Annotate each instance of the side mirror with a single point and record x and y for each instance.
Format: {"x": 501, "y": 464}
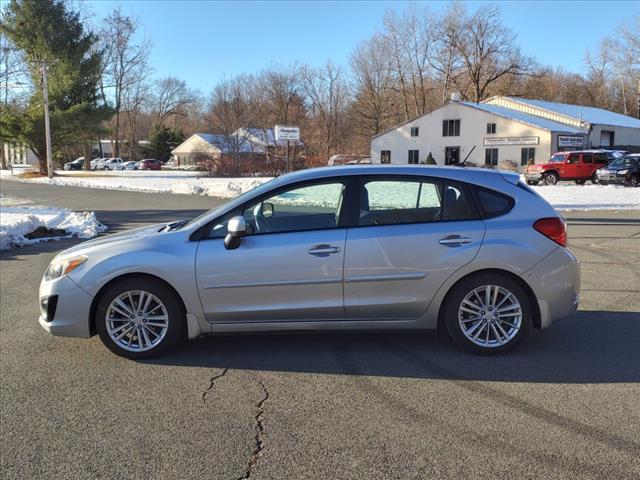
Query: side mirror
{"x": 267, "y": 210}
{"x": 236, "y": 229}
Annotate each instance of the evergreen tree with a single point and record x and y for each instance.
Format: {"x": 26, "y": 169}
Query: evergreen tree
{"x": 46, "y": 31}
{"x": 162, "y": 141}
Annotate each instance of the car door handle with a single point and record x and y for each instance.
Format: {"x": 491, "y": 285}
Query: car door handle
{"x": 454, "y": 240}
{"x": 323, "y": 250}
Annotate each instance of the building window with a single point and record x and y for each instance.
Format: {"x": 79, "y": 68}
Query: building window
{"x": 491, "y": 157}
{"x": 451, "y": 128}
{"x": 413, "y": 157}
{"x": 415, "y": 131}
{"x": 491, "y": 128}
{"x": 385, "y": 156}
{"x": 527, "y": 155}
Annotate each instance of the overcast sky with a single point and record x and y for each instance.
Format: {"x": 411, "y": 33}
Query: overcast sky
{"x": 204, "y": 41}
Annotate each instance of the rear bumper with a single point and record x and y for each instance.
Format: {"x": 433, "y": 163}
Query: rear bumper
{"x": 555, "y": 282}
{"x": 70, "y": 317}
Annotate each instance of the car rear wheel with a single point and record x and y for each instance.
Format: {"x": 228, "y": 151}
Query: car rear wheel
{"x": 139, "y": 318}
{"x": 550, "y": 178}
{"x": 532, "y": 182}
{"x": 488, "y": 313}
{"x": 594, "y": 178}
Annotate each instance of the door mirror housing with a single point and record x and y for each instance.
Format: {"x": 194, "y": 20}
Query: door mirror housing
{"x": 236, "y": 229}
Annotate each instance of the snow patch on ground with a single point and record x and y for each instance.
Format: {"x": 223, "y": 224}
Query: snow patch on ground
{"x": 179, "y": 182}
{"x": 17, "y": 220}
{"x": 569, "y": 196}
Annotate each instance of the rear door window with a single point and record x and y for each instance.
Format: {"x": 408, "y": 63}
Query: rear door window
{"x": 587, "y": 158}
{"x": 457, "y": 203}
{"x": 390, "y": 201}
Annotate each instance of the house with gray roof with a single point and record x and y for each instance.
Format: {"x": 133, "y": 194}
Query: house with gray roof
{"x": 504, "y": 128}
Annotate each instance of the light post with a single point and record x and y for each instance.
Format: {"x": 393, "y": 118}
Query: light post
{"x": 47, "y": 127}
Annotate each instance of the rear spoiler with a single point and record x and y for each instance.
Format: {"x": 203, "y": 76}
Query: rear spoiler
{"x": 511, "y": 177}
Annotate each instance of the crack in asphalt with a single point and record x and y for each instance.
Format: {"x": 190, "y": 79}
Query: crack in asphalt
{"x": 211, "y": 382}
{"x": 259, "y": 442}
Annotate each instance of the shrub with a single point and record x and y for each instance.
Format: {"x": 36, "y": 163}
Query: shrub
{"x": 431, "y": 160}
{"x": 508, "y": 165}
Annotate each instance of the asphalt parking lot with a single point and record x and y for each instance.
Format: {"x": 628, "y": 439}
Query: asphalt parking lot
{"x": 332, "y": 406}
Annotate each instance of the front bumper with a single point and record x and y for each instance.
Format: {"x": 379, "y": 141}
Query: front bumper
{"x": 533, "y": 176}
{"x": 556, "y": 284}
{"x": 611, "y": 179}
{"x": 70, "y": 317}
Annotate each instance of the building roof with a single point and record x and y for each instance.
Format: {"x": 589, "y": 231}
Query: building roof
{"x": 524, "y": 117}
{"x": 581, "y": 112}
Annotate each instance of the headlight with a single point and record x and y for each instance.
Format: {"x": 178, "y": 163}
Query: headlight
{"x": 623, "y": 172}
{"x": 60, "y": 268}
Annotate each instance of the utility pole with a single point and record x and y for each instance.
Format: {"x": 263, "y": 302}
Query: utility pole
{"x": 5, "y": 51}
{"x": 47, "y": 127}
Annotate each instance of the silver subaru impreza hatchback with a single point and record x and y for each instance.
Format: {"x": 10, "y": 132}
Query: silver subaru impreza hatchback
{"x": 472, "y": 251}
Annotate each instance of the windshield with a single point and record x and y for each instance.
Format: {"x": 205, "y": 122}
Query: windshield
{"x": 557, "y": 158}
{"x": 256, "y": 190}
{"x": 623, "y": 162}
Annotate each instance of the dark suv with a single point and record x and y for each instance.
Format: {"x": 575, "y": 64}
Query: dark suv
{"x": 624, "y": 170}
{"x": 577, "y": 166}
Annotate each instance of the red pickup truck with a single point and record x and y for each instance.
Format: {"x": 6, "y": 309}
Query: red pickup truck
{"x": 577, "y": 166}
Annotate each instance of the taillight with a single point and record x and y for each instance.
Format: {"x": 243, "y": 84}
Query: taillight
{"x": 554, "y": 228}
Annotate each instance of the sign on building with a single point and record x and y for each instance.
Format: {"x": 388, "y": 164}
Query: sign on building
{"x": 287, "y": 133}
{"x": 570, "y": 141}
{"x": 490, "y": 142}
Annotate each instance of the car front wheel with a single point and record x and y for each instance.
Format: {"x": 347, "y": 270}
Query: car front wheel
{"x": 139, "y": 317}
{"x": 488, "y": 313}
{"x": 633, "y": 181}
{"x": 550, "y": 179}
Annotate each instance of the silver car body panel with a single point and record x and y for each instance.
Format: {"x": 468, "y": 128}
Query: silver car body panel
{"x": 393, "y": 276}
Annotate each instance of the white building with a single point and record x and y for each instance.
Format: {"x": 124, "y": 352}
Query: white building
{"x": 503, "y": 128}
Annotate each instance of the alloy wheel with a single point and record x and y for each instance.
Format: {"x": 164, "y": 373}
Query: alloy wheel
{"x": 137, "y": 321}
{"x": 490, "y": 316}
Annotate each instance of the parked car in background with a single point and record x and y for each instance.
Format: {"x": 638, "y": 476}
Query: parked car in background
{"x": 150, "y": 164}
{"x": 77, "y": 164}
{"x": 94, "y": 163}
{"x": 472, "y": 251}
{"x": 109, "y": 164}
{"x": 578, "y": 166}
{"x": 130, "y": 165}
{"x": 622, "y": 171}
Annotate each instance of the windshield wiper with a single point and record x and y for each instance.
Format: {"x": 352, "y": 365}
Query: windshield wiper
{"x": 173, "y": 226}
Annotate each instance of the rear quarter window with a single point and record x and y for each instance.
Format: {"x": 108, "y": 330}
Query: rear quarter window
{"x": 491, "y": 203}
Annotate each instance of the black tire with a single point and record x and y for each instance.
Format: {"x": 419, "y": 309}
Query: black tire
{"x": 467, "y": 285}
{"x": 634, "y": 181}
{"x": 550, "y": 178}
{"x": 580, "y": 182}
{"x": 532, "y": 182}
{"x": 594, "y": 179}
{"x": 172, "y": 303}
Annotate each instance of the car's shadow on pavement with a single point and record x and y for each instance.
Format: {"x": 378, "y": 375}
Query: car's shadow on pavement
{"x": 590, "y": 347}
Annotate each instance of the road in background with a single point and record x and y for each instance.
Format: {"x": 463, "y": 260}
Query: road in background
{"x": 335, "y": 406}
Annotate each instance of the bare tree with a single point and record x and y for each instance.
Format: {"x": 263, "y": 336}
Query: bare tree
{"x": 488, "y": 52}
{"x": 172, "y": 97}
{"x": 327, "y": 96}
{"x": 230, "y": 110}
{"x": 126, "y": 65}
